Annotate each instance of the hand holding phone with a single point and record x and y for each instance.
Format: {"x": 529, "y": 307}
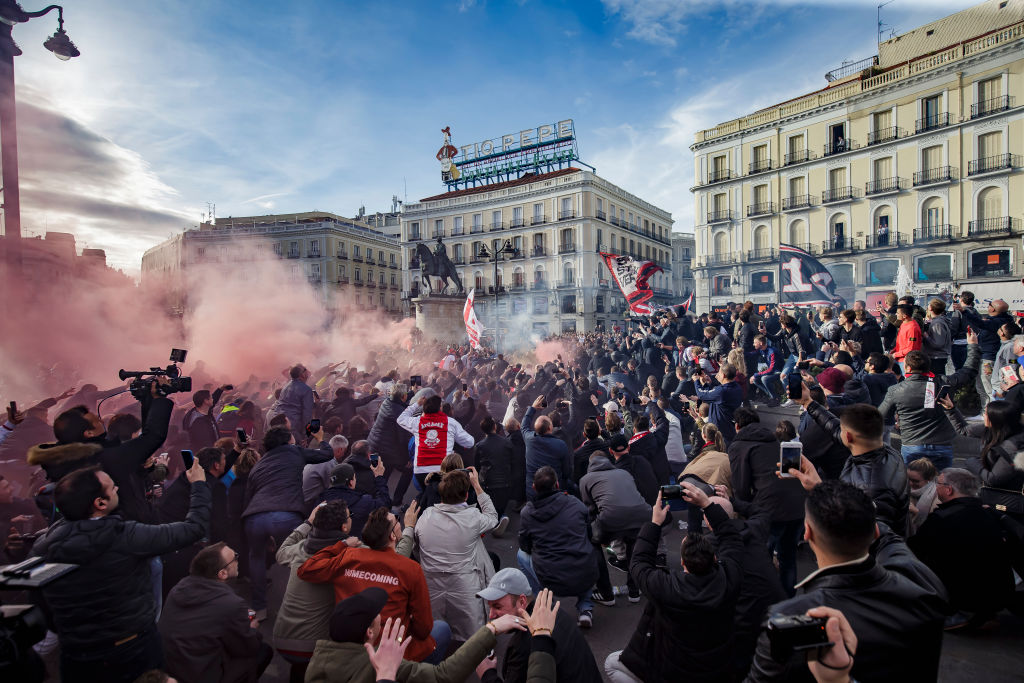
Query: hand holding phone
{"x": 188, "y": 459}
{"x": 789, "y": 457}
{"x": 243, "y": 438}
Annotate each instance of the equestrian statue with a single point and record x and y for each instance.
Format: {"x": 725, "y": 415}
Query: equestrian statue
{"x": 438, "y": 265}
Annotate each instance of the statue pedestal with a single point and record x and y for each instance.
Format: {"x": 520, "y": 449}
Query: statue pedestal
{"x": 440, "y": 317}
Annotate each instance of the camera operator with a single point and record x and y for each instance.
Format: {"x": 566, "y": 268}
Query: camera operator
{"x": 104, "y": 612}
{"x": 81, "y": 442}
{"x": 893, "y": 602}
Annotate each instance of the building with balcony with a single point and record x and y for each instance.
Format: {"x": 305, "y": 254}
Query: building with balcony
{"x": 683, "y": 252}
{"x": 558, "y": 222}
{"x": 340, "y": 258}
{"x": 912, "y": 157}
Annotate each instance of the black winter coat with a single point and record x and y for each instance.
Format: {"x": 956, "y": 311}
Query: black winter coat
{"x": 687, "y": 624}
{"x": 275, "y": 482}
{"x": 642, "y": 473}
{"x": 1003, "y": 466}
{"x": 754, "y": 459}
{"x": 652, "y": 446}
{"x": 870, "y": 337}
{"x": 553, "y": 530}
{"x": 110, "y": 596}
{"x": 206, "y": 635}
{"x": 386, "y": 438}
{"x": 581, "y": 457}
{"x": 895, "y": 604}
{"x": 494, "y": 461}
{"x": 122, "y": 461}
{"x": 360, "y": 504}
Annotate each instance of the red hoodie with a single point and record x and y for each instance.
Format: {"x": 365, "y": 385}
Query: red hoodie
{"x": 351, "y": 570}
{"x": 908, "y": 339}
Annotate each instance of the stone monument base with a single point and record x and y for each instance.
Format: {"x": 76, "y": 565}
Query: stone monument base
{"x": 440, "y": 317}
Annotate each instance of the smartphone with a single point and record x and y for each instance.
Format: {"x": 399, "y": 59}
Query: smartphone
{"x": 465, "y": 387}
{"x": 374, "y": 459}
{"x": 188, "y": 459}
{"x": 803, "y": 365}
{"x": 14, "y": 407}
{"x": 795, "y": 386}
{"x": 943, "y": 393}
{"x": 314, "y": 425}
{"x": 416, "y": 380}
{"x": 789, "y": 457}
{"x": 242, "y": 437}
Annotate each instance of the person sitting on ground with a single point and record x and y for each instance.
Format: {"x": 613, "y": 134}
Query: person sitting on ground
{"x": 894, "y": 603}
{"x": 687, "y": 624}
{"x": 306, "y": 607}
{"x": 509, "y": 594}
{"x": 359, "y": 504}
{"x": 350, "y": 570}
{"x": 205, "y": 627}
{"x": 962, "y": 542}
{"x": 711, "y": 463}
{"x": 452, "y": 553}
{"x": 554, "y": 544}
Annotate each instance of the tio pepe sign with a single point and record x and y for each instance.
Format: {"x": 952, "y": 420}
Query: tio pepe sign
{"x": 514, "y": 142}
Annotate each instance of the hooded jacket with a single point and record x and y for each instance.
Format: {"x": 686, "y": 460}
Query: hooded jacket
{"x": 553, "y": 530}
{"x": 542, "y": 450}
{"x": 938, "y": 337}
{"x": 920, "y": 425}
{"x": 870, "y": 337}
{"x": 206, "y": 635}
{"x": 642, "y": 473}
{"x": 712, "y": 466}
{"x": 612, "y": 498}
{"x": 651, "y": 446}
{"x": 110, "y": 596}
{"x": 687, "y": 624}
{"x": 386, "y": 438}
{"x": 753, "y": 461}
{"x": 1003, "y": 466}
{"x": 122, "y": 461}
{"x": 360, "y": 504}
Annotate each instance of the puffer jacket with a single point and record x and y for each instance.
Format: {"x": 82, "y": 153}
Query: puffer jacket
{"x": 870, "y": 337}
{"x": 920, "y": 425}
{"x": 110, "y": 596}
{"x": 275, "y": 482}
{"x": 1003, "y": 466}
{"x": 938, "y": 337}
{"x": 305, "y": 614}
{"x": 612, "y": 498}
{"x": 386, "y": 438}
{"x": 753, "y": 461}
{"x": 455, "y": 561}
{"x": 895, "y": 605}
{"x": 494, "y": 461}
{"x": 204, "y": 626}
{"x": 553, "y": 530}
{"x": 880, "y": 473}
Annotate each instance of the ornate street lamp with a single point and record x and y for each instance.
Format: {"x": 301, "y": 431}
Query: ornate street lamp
{"x": 61, "y": 46}
{"x": 506, "y": 249}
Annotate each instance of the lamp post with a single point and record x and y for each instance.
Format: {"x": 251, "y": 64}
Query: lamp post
{"x": 496, "y": 257}
{"x": 61, "y": 46}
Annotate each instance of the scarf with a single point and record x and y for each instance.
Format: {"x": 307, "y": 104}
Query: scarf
{"x": 638, "y": 436}
{"x": 319, "y": 539}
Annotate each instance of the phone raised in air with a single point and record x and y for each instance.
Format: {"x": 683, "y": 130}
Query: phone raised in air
{"x": 416, "y": 380}
{"x": 943, "y": 393}
{"x": 188, "y": 459}
{"x": 789, "y": 457}
{"x": 795, "y": 386}
{"x": 242, "y": 436}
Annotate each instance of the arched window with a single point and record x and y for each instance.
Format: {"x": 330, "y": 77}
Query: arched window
{"x": 990, "y": 203}
{"x": 931, "y": 213}
{"x": 798, "y": 232}
{"x": 882, "y": 223}
{"x": 568, "y": 274}
{"x": 837, "y": 231}
{"x": 478, "y": 281}
{"x": 539, "y": 281}
{"x": 518, "y": 277}
{"x": 721, "y": 243}
{"x": 762, "y": 239}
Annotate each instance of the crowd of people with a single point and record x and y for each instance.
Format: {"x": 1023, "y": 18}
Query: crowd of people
{"x": 375, "y": 488}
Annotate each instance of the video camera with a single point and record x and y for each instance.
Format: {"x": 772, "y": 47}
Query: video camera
{"x": 144, "y": 379}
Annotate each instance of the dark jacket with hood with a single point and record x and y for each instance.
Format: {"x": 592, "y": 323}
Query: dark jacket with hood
{"x": 870, "y": 337}
{"x": 581, "y": 457}
{"x": 386, "y": 438}
{"x": 360, "y": 504}
{"x": 895, "y": 604}
{"x": 122, "y": 461}
{"x": 553, "y": 530}
{"x": 612, "y": 498}
{"x": 206, "y": 635}
{"x": 753, "y": 460}
{"x": 275, "y": 482}
{"x": 642, "y": 473}
{"x": 824, "y": 452}
{"x": 687, "y": 625}
{"x": 494, "y": 462}
{"x": 651, "y": 447}
{"x": 110, "y": 596}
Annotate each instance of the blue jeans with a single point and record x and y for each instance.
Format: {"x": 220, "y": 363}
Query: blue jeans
{"x": 583, "y": 602}
{"x": 941, "y": 456}
{"x": 156, "y": 573}
{"x": 442, "y": 635}
{"x": 260, "y": 528}
{"x": 790, "y": 365}
{"x": 767, "y": 383}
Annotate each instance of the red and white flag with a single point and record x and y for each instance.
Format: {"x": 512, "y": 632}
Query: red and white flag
{"x": 631, "y": 277}
{"x": 474, "y": 328}
{"x": 688, "y": 303}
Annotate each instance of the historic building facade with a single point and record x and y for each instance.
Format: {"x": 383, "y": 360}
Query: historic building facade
{"x": 911, "y": 158}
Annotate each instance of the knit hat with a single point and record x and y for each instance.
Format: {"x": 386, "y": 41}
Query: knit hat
{"x": 618, "y": 443}
{"x": 832, "y": 379}
{"x": 342, "y": 474}
{"x": 352, "y": 616}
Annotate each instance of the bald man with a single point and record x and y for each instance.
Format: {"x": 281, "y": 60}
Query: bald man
{"x": 544, "y": 449}
{"x": 987, "y": 328}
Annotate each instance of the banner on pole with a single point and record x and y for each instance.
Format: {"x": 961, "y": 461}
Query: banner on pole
{"x": 474, "y": 328}
{"x": 803, "y": 279}
{"x": 630, "y": 277}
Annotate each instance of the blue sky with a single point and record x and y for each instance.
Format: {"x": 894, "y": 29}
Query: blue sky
{"x": 266, "y": 107}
